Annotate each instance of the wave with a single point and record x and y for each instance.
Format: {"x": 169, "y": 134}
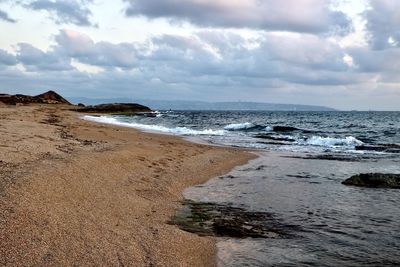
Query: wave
{"x": 155, "y": 128}
{"x": 239, "y": 126}
{"x": 332, "y": 142}
{"x": 246, "y": 126}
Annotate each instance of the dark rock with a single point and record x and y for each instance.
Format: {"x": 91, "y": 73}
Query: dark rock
{"x": 330, "y": 157}
{"x": 221, "y": 220}
{"x": 284, "y": 129}
{"x": 49, "y": 97}
{"x": 379, "y": 180}
{"x": 81, "y": 105}
{"x": 274, "y": 143}
{"x": 389, "y": 148}
{"x": 115, "y": 108}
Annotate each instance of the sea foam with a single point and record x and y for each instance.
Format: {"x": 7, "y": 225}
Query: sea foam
{"x": 239, "y": 126}
{"x": 332, "y": 142}
{"x": 153, "y": 128}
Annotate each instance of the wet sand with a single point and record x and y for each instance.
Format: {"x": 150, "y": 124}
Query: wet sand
{"x": 74, "y": 192}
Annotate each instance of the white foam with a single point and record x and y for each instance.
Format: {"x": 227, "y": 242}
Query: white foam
{"x": 239, "y": 126}
{"x": 332, "y": 142}
{"x": 153, "y": 128}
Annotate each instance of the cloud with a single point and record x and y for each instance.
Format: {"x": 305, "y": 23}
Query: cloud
{"x": 104, "y": 54}
{"x": 4, "y": 16}
{"x": 312, "y": 16}
{"x": 207, "y": 65}
{"x": 208, "y": 57}
{"x": 383, "y": 20}
{"x": 65, "y": 11}
{"x": 7, "y": 59}
{"x": 213, "y": 54}
{"x": 378, "y": 61}
{"x": 35, "y": 59}
{"x": 306, "y": 51}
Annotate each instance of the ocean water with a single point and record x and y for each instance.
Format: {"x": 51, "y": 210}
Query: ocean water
{"x": 303, "y": 158}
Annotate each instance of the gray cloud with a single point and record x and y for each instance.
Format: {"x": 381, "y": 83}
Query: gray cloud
{"x": 4, "y": 16}
{"x": 7, "y": 59}
{"x": 219, "y": 56}
{"x": 383, "y": 20}
{"x": 36, "y": 60}
{"x": 65, "y": 11}
{"x": 376, "y": 60}
{"x": 313, "y": 16}
{"x": 103, "y": 54}
{"x": 207, "y": 65}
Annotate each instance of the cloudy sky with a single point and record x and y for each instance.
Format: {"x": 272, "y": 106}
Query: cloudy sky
{"x": 339, "y": 53}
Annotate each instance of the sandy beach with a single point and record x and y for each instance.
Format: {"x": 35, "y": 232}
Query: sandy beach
{"x": 77, "y": 193}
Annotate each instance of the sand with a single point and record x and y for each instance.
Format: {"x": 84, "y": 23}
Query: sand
{"x": 77, "y": 193}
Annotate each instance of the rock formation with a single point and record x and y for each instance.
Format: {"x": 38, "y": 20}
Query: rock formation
{"x": 49, "y": 97}
{"x": 380, "y": 180}
{"x": 115, "y": 108}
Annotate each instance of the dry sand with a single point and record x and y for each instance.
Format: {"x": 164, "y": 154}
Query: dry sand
{"x": 74, "y": 192}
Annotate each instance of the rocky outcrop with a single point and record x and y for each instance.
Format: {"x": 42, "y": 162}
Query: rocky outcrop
{"x": 388, "y": 148}
{"x": 49, "y": 97}
{"x": 115, "y": 108}
{"x": 284, "y": 129}
{"x": 379, "y": 180}
{"x": 211, "y": 219}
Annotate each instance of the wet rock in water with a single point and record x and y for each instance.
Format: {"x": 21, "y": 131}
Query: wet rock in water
{"x": 389, "y": 148}
{"x": 330, "y": 157}
{"x": 378, "y": 180}
{"x": 220, "y": 220}
{"x": 284, "y": 129}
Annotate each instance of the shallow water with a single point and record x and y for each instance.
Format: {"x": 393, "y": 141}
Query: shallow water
{"x": 339, "y": 225}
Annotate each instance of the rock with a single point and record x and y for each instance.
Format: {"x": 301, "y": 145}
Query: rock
{"x": 221, "y": 220}
{"x": 389, "y": 148}
{"x": 378, "y": 180}
{"x": 349, "y": 158}
{"x": 49, "y": 97}
{"x": 116, "y": 108}
{"x": 284, "y": 129}
{"x": 81, "y": 105}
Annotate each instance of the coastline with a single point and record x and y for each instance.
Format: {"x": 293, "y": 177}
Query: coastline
{"x": 75, "y": 192}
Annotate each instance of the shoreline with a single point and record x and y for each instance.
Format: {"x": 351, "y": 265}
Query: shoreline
{"x": 80, "y": 192}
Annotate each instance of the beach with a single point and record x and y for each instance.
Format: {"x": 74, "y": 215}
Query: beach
{"x": 74, "y": 192}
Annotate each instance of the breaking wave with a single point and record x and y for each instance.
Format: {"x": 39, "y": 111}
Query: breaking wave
{"x": 239, "y": 126}
{"x": 155, "y": 128}
{"x": 332, "y": 142}
{"x": 246, "y": 126}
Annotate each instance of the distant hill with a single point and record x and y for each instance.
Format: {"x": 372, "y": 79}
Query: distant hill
{"x": 202, "y": 105}
{"x": 49, "y": 97}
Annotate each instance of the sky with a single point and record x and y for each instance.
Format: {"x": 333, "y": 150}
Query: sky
{"x": 343, "y": 54}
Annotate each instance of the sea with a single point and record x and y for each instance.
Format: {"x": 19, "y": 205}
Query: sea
{"x": 303, "y": 158}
